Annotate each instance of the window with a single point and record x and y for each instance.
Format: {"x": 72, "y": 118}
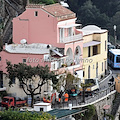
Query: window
{"x": 93, "y": 66}
{"x": 95, "y": 50}
{"x": 102, "y": 66}
{"x": 24, "y": 60}
{"x": 89, "y": 72}
{"x": 83, "y": 73}
{"x": 69, "y": 31}
{"x": 41, "y": 109}
{"x": 112, "y": 57}
{"x": 54, "y": 66}
{"x": 13, "y": 80}
{"x": 105, "y": 45}
{"x": 89, "y": 51}
{"x": 61, "y": 34}
{"x": 118, "y": 59}
{"x": 36, "y": 13}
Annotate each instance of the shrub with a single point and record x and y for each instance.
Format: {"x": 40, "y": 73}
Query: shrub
{"x": 17, "y": 115}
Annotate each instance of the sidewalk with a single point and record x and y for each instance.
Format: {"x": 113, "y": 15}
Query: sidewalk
{"x": 108, "y": 76}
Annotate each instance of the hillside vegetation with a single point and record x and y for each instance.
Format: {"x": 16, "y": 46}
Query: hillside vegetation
{"x": 103, "y": 13}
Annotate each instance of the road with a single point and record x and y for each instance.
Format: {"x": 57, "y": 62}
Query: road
{"x": 103, "y": 86}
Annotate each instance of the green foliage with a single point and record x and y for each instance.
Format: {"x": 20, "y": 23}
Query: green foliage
{"x": 103, "y": 13}
{"x": 110, "y": 116}
{"x": 47, "y": 2}
{"x": 66, "y": 81}
{"x": 3, "y": 93}
{"x": 90, "y": 112}
{"x": 89, "y": 14}
{"x": 28, "y": 76}
{"x": 17, "y": 115}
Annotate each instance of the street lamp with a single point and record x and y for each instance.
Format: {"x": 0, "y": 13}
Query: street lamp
{"x": 115, "y": 37}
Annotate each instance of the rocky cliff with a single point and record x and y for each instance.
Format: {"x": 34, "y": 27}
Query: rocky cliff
{"x": 8, "y": 10}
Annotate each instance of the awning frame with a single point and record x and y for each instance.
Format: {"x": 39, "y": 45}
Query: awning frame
{"x": 91, "y": 43}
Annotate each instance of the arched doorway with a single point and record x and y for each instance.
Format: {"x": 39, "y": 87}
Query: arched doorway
{"x": 69, "y": 59}
{"x": 77, "y": 55}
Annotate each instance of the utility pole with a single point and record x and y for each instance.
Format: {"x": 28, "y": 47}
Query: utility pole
{"x": 115, "y": 37}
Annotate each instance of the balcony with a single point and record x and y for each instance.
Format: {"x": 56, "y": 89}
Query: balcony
{"x": 71, "y": 38}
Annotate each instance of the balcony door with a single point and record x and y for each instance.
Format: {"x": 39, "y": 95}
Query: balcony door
{"x": 61, "y": 34}
{"x": 69, "y": 31}
{"x": 95, "y": 50}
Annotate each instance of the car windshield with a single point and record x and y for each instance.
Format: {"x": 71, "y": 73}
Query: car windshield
{"x": 5, "y": 100}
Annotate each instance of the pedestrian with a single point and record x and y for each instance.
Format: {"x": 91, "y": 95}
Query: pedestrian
{"x": 60, "y": 95}
{"x": 112, "y": 79}
{"x": 66, "y": 96}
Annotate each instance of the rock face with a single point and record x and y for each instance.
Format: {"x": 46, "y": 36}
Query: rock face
{"x": 8, "y": 10}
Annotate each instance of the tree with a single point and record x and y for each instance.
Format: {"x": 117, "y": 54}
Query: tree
{"x": 89, "y": 14}
{"x": 66, "y": 81}
{"x": 31, "y": 78}
{"x": 17, "y": 115}
{"x": 84, "y": 87}
{"x": 47, "y": 2}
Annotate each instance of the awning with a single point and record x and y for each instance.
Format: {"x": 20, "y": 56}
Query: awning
{"x": 106, "y": 107}
{"x": 57, "y": 52}
{"x": 63, "y": 113}
{"x": 68, "y": 26}
{"x": 91, "y": 43}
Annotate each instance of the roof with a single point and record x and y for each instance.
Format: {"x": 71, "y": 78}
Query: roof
{"x": 34, "y": 48}
{"x": 42, "y": 104}
{"x": 115, "y": 51}
{"x": 92, "y": 29}
{"x": 56, "y": 10}
{"x": 91, "y": 43}
{"x": 61, "y": 113}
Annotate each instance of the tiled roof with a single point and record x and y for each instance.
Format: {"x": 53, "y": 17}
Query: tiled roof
{"x": 56, "y": 10}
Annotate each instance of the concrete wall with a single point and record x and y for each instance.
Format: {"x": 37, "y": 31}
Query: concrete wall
{"x": 17, "y": 91}
{"x": 99, "y": 106}
{"x": 35, "y": 29}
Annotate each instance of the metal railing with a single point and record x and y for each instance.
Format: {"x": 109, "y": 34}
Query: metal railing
{"x": 77, "y": 101}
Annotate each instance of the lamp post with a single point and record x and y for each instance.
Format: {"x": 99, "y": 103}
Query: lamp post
{"x": 115, "y": 37}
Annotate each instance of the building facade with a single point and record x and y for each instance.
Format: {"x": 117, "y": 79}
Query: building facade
{"x": 44, "y": 35}
{"x": 94, "y": 52}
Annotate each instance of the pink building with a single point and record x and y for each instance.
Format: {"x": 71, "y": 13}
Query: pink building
{"x": 45, "y": 35}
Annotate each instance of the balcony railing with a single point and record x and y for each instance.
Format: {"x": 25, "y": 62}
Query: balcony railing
{"x": 71, "y": 38}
